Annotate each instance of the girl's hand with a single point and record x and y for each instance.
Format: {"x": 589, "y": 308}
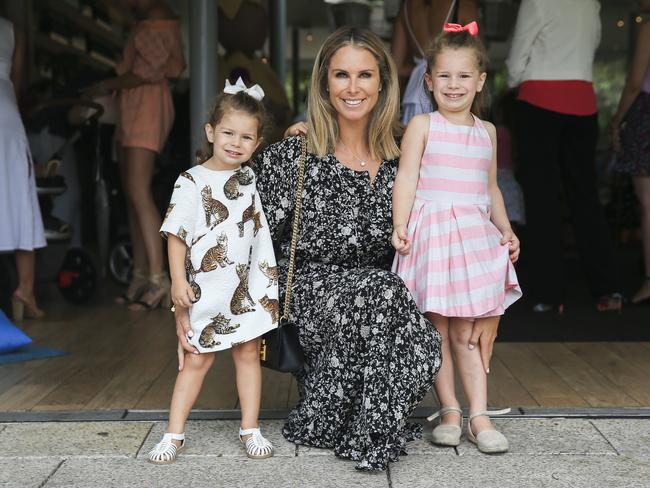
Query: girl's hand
{"x": 296, "y": 129}
{"x": 182, "y": 294}
{"x": 400, "y": 240}
{"x": 183, "y": 331}
{"x": 484, "y": 333}
{"x": 510, "y": 237}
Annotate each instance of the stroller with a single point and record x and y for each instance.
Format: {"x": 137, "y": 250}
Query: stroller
{"x": 77, "y": 276}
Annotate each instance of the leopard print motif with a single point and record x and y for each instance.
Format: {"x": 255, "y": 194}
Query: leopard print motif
{"x": 185, "y": 174}
{"x": 238, "y": 303}
{"x": 169, "y": 210}
{"x": 271, "y": 272}
{"x": 272, "y": 306}
{"x": 221, "y": 325}
{"x": 190, "y": 274}
{"x": 216, "y": 256}
{"x": 248, "y": 214}
{"x": 257, "y": 222}
{"x": 231, "y": 188}
{"x": 213, "y": 208}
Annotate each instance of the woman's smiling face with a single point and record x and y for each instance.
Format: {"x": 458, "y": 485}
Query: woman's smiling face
{"x": 353, "y": 82}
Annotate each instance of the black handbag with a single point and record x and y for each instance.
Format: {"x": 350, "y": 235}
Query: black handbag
{"x": 280, "y": 349}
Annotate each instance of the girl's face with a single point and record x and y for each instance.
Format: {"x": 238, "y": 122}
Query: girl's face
{"x": 455, "y": 79}
{"x": 353, "y": 83}
{"x": 234, "y": 139}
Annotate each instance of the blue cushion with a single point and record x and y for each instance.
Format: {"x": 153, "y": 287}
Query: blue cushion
{"x": 11, "y": 337}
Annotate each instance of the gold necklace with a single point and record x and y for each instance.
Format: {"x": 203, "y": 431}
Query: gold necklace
{"x": 362, "y": 162}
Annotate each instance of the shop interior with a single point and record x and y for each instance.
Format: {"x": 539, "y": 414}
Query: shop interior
{"x": 117, "y": 361}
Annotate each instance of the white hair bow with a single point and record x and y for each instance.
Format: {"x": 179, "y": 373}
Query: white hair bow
{"x": 254, "y": 91}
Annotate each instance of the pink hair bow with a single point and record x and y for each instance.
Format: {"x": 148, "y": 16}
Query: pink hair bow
{"x": 472, "y": 28}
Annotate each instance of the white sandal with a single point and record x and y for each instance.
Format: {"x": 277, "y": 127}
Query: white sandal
{"x": 257, "y": 447}
{"x": 446, "y": 434}
{"x": 165, "y": 451}
{"x": 488, "y": 441}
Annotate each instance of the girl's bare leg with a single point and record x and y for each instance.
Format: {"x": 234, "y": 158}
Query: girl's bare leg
{"x": 249, "y": 381}
{"x": 470, "y": 369}
{"x": 187, "y": 389}
{"x": 444, "y": 383}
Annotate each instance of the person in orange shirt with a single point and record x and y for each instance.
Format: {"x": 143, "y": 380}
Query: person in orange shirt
{"x": 152, "y": 55}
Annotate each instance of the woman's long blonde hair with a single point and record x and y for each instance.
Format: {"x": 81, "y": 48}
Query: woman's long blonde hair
{"x": 383, "y": 125}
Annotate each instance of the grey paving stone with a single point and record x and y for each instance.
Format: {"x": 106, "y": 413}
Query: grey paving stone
{"x": 19, "y": 473}
{"x": 220, "y": 438}
{"x": 73, "y": 439}
{"x": 314, "y": 451}
{"x": 553, "y": 471}
{"x": 424, "y": 446}
{"x": 628, "y": 436}
{"x": 546, "y": 436}
{"x": 421, "y": 446}
{"x": 200, "y": 472}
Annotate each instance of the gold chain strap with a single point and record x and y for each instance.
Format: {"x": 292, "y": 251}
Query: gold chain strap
{"x": 295, "y": 226}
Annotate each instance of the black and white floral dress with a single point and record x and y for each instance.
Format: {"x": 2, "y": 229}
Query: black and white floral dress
{"x": 370, "y": 354}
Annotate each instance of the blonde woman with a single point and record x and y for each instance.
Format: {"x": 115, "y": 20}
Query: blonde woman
{"x": 370, "y": 354}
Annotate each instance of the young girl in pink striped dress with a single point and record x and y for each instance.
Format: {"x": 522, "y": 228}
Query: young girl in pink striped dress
{"x": 455, "y": 247}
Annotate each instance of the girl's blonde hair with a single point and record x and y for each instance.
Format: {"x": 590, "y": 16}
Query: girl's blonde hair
{"x": 224, "y": 103}
{"x": 383, "y": 125}
{"x": 459, "y": 40}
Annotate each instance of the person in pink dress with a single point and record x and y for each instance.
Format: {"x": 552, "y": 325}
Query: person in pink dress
{"x": 153, "y": 54}
{"x": 455, "y": 247}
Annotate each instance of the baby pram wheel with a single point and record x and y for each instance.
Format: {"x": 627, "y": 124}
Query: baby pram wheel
{"x": 77, "y": 278}
{"x": 120, "y": 261}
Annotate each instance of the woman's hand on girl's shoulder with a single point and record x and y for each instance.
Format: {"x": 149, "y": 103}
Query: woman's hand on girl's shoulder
{"x": 296, "y": 129}
{"x": 510, "y": 238}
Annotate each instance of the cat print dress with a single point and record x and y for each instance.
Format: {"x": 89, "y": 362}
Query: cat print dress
{"x": 230, "y": 263}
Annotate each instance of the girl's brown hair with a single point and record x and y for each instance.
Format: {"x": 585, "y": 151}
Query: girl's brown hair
{"x": 224, "y": 103}
{"x": 459, "y": 40}
{"x": 383, "y": 125}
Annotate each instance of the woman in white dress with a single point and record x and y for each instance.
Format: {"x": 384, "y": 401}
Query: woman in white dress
{"x": 21, "y": 226}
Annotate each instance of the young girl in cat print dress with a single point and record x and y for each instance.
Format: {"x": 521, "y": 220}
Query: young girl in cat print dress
{"x": 455, "y": 247}
{"x": 222, "y": 265}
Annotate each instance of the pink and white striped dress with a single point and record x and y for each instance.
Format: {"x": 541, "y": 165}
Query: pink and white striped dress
{"x": 457, "y": 266}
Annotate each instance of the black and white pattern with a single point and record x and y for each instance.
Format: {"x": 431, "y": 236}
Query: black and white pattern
{"x": 370, "y": 355}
